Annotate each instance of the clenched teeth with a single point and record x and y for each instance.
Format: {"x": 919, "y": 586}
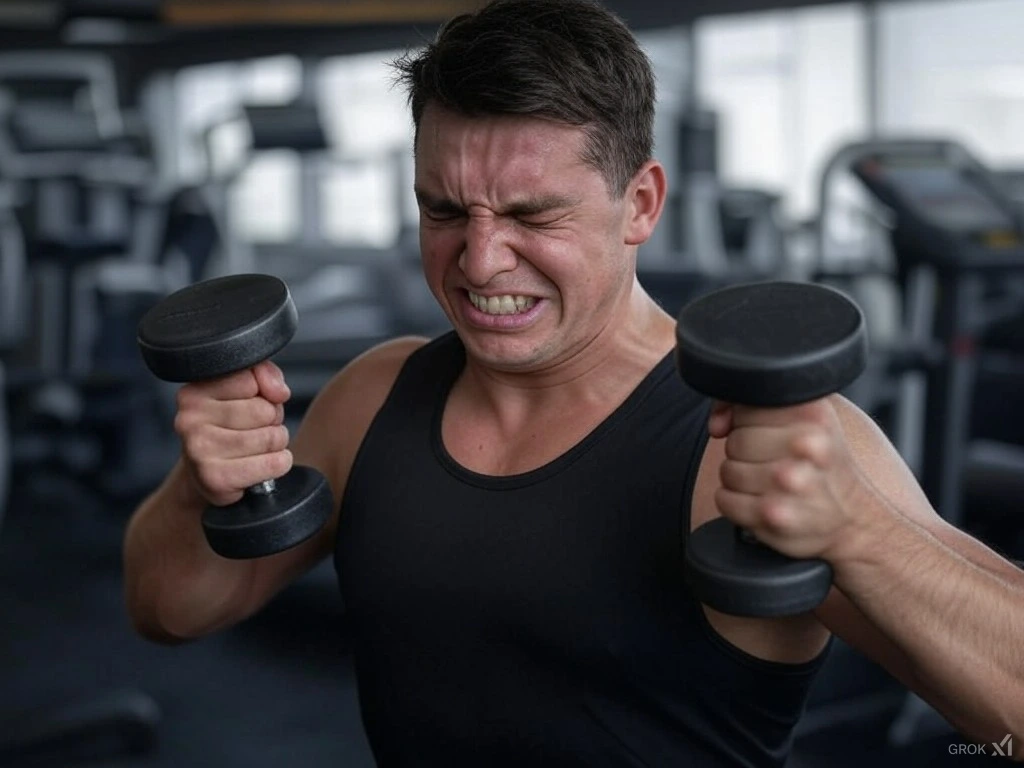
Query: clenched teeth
{"x": 502, "y": 305}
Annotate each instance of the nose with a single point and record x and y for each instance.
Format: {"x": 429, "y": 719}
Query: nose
{"x": 487, "y": 251}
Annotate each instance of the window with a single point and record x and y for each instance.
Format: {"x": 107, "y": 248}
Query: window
{"x": 364, "y": 200}
{"x": 262, "y": 193}
{"x": 956, "y": 69}
{"x": 789, "y": 87}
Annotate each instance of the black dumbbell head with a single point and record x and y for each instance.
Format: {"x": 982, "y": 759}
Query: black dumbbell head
{"x": 217, "y": 327}
{"x": 771, "y": 344}
{"x": 737, "y": 577}
{"x": 261, "y": 524}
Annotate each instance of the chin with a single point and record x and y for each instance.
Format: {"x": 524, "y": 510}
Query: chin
{"x": 505, "y": 354}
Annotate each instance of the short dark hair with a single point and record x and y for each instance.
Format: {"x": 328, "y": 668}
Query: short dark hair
{"x": 569, "y": 61}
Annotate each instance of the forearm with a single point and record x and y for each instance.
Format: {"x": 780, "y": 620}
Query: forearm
{"x": 176, "y": 587}
{"x": 958, "y": 621}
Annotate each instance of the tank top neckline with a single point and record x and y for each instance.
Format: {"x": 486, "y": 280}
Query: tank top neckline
{"x": 664, "y": 368}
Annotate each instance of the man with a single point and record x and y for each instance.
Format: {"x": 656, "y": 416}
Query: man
{"x": 512, "y": 494}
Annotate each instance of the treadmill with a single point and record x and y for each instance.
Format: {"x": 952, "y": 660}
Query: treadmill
{"x": 959, "y": 246}
{"x": 958, "y": 243}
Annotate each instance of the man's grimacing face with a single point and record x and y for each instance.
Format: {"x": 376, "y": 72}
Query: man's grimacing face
{"x": 522, "y": 242}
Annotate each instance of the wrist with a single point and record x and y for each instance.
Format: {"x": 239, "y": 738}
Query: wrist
{"x": 872, "y": 526}
{"x": 182, "y": 488}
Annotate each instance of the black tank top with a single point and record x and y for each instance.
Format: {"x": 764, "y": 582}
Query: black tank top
{"x": 541, "y": 619}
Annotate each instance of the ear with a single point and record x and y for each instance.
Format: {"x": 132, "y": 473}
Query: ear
{"x": 645, "y": 200}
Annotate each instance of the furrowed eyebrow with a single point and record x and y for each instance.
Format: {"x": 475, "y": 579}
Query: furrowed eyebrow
{"x": 538, "y": 205}
{"x": 526, "y": 207}
{"x": 436, "y": 204}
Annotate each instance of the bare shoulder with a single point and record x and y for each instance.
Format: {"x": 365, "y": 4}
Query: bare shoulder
{"x": 369, "y": 373}
{"x": 339, "y": 416}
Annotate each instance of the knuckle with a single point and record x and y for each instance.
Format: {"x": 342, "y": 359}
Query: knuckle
{"x": 185, "y": 396}
{"x": 822, "y": 448}
{"x": 192, "y": 445}
{"x": 790, "y": 476}
{"x": 264, "y": 411}
{"x": 182, "y": 423}
{"x": 774, "y": 515}
{"x": 186, "y": 418}
{"x": 812, "y": 443}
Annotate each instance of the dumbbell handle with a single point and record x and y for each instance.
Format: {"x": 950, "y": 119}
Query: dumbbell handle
{"x": 265, "y": 488}
{"x": 746, "y": 537}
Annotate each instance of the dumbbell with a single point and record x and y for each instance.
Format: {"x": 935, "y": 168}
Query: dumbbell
{"x": 214, "y": 328}
{"x": 770, "y": 344}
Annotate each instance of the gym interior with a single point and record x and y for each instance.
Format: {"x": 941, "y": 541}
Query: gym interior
{"x": 874, "y": 146}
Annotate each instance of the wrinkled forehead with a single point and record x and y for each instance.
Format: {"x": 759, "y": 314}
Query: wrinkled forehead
{"x": 528, "y": 144}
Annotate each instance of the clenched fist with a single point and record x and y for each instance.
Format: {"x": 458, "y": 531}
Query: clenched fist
{"x": 788, "y": 477}
{"x": 232, "y": 431}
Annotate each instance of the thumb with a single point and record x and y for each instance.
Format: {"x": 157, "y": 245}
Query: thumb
{"x": 720, "y": 420}
{"x": 271, "y": 382}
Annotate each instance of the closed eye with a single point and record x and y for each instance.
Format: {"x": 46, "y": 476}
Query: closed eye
{"x": 540, "y": 221}
{"x": 442, "y": 214}
{"x": 538, "y": 212}
{"x": 542, "y": 211}
{"x": 438, "y": 209}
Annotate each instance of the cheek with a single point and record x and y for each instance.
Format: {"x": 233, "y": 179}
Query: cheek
{"x": 579, "y": 265}
{"x": 437, "y": 250}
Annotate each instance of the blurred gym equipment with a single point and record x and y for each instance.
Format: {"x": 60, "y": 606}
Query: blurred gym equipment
{"x": 723, "y": 231}
{"x": 959, "y": 248}
{"x": 958, "y": 257}
{"x": 715, "y": 235}
{"x": 46, "y": 151}
{"x": 350, "y": 297}
{"x": 13, "y": 322}
{"x": 104, "y": 235}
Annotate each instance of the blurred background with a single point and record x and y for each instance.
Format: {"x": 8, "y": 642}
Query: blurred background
{"x": 876, "y": 146}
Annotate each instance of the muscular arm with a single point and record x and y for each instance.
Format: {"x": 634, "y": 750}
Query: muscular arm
{"x": 938, "y": 609}
{"x": 176, "y": 587}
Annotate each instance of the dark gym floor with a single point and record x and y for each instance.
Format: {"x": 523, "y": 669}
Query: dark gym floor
{"x": 276, "y": 691}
